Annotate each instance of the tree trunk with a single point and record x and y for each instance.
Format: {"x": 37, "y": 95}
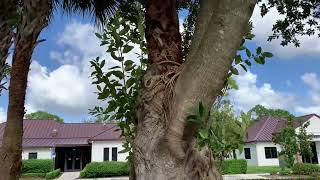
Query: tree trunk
{"x": 6, "y": 34}
{"x": 164, "y": 147}
{"x": 33, "y": 20}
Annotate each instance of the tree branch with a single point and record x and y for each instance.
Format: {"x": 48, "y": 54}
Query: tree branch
{"x": 205, "y": 14}
{"x": 206, "y": 70}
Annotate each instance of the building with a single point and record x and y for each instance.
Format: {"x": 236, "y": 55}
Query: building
{"x": 70, "y": 145}
{"x": 259, "y": 150}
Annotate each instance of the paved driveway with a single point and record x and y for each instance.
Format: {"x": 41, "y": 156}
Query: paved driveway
{"x": 75, "y": 175}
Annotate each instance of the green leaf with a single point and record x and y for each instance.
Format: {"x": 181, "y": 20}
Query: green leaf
{"x": 243, "y": 67}
{"x": 118, "y": 74}
{"x": 234, "y": 70}
{"x": 238, "y": 59}
{"x": 241, "y": 48}
{"x": 259, "y": 50}
{"x": 98, "y": 35}
{"x": 115, "y": 67}
{"x": 267, "y": 54}
{"x": 201, "y": 109}
{"x": 131, "y": 82}
{"x": 128, "y": 62}
{"x": 250, "y": 36}
{"x": 259, "y": 60}
{"x": 248, "y": 62}
{"x": 124, "y": 30}
{"x": 248, "y": 52}
{"x": 99, "y": 87}
{"x": 102, "y": 63}
{"x": 127, "y": 48}
{"x": 203, "y": 133}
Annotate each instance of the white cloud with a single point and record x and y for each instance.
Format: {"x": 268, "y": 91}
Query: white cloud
{"x": 68, "y": 88}
{"x": 250, "y": 94}
{"x": 313, "y": 82}
{"x": 3, "y": 115}
{"x": 310, "y": 45}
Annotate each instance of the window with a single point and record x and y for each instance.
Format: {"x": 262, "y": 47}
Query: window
{"x": 114, "y": 154}
{"x": 106, "y": 154}
{"x": 270, "y": 152}
{"x": 33, "y": 155}
{"x": 247, "y": 153}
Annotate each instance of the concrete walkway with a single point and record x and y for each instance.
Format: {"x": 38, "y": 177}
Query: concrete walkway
{"x": 69, "y": 176}
{"x": 75, "y": 175}
{"x": 244, "y": 176}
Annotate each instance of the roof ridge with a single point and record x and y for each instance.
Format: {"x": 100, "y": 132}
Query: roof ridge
{"x": 262, "y": 127}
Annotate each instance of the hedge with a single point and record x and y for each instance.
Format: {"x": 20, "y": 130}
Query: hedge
{"x": 53, "y": 174}
{"x": 105, "y": 169}
{"x": 28, "y": 175}
{"x": 37, "y": 166}
{"x": 234, "y": 166}
{"x": 305, "y": 168}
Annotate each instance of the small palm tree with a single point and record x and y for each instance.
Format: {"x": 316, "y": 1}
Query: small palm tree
{"x": 33, "y": 17}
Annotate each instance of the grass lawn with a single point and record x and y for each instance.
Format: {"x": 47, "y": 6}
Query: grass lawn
{"x": 263, "y": 169}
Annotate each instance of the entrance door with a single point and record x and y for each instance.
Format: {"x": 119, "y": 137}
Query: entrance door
{"x": 73, "y": 160}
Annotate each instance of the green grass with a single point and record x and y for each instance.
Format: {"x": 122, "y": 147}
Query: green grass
{"x": 263, "y": 169}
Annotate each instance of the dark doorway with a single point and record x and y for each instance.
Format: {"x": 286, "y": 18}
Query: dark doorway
{"x": 314, "y": 158}
{"x": 72, "y": 158}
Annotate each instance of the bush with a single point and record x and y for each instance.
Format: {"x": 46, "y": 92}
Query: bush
{"x": 105, "y": 169}
{"x": 37, "y": 166}
{"x": 305, "y": 168}
{"x": 285, "y": 172}
{"x": 53, "y": 174}
{"x": 27, "y": 175}
{"x": 235, "y": 166}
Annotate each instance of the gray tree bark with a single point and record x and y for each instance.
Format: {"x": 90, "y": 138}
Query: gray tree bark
{"x": 164, "y": 147}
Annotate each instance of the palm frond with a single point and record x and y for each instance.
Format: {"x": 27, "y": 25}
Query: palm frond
{"x": 100, "y": 10}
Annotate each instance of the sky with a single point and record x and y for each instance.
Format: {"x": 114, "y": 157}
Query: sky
{"x": 59, "y": 81}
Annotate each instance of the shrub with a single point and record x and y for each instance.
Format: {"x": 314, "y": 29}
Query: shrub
{"x": 105, "y": 169}
{"x": 53, "y": 174}
{"x": 27, "y": 175}
{"x": 305, "y": 168}
{"x": 285, "y": 172}
{"x": 37, "y": 166}
{"x": 235, "y": 166}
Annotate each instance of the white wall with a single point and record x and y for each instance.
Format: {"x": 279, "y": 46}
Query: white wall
{"x": 43, "y": 153}
{"x": 253, "y": 161}
{"x": 314, "y": 127}
{"x": 262, "y": 161}
{"x": 318, "y": 150}
{"x": 98, "y": 146}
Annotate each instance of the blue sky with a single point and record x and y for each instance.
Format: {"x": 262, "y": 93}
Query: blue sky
{"x": 59, "y": 78}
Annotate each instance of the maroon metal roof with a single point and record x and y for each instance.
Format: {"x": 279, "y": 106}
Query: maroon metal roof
{"x": 49, "y": 133}
{"x": 263, "y": 129}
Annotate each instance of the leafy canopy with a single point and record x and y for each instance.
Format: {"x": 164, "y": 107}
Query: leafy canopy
{"x": 261, "y": 111}
{"x": 42, "y": 115}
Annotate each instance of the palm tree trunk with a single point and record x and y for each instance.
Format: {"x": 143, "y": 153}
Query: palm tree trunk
{"x": 6, "y": 34}
{"x": 33, "y": 20}
{"x": 164, "y": 147}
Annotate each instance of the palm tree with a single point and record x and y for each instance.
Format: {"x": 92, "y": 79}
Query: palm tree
{"x": 34, "y": 16}
{"x": 7, "y": 18}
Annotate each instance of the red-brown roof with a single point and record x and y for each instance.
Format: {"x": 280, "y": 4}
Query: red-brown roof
{"x": 49, "y": 133}
{"x": 263, "y": 129}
